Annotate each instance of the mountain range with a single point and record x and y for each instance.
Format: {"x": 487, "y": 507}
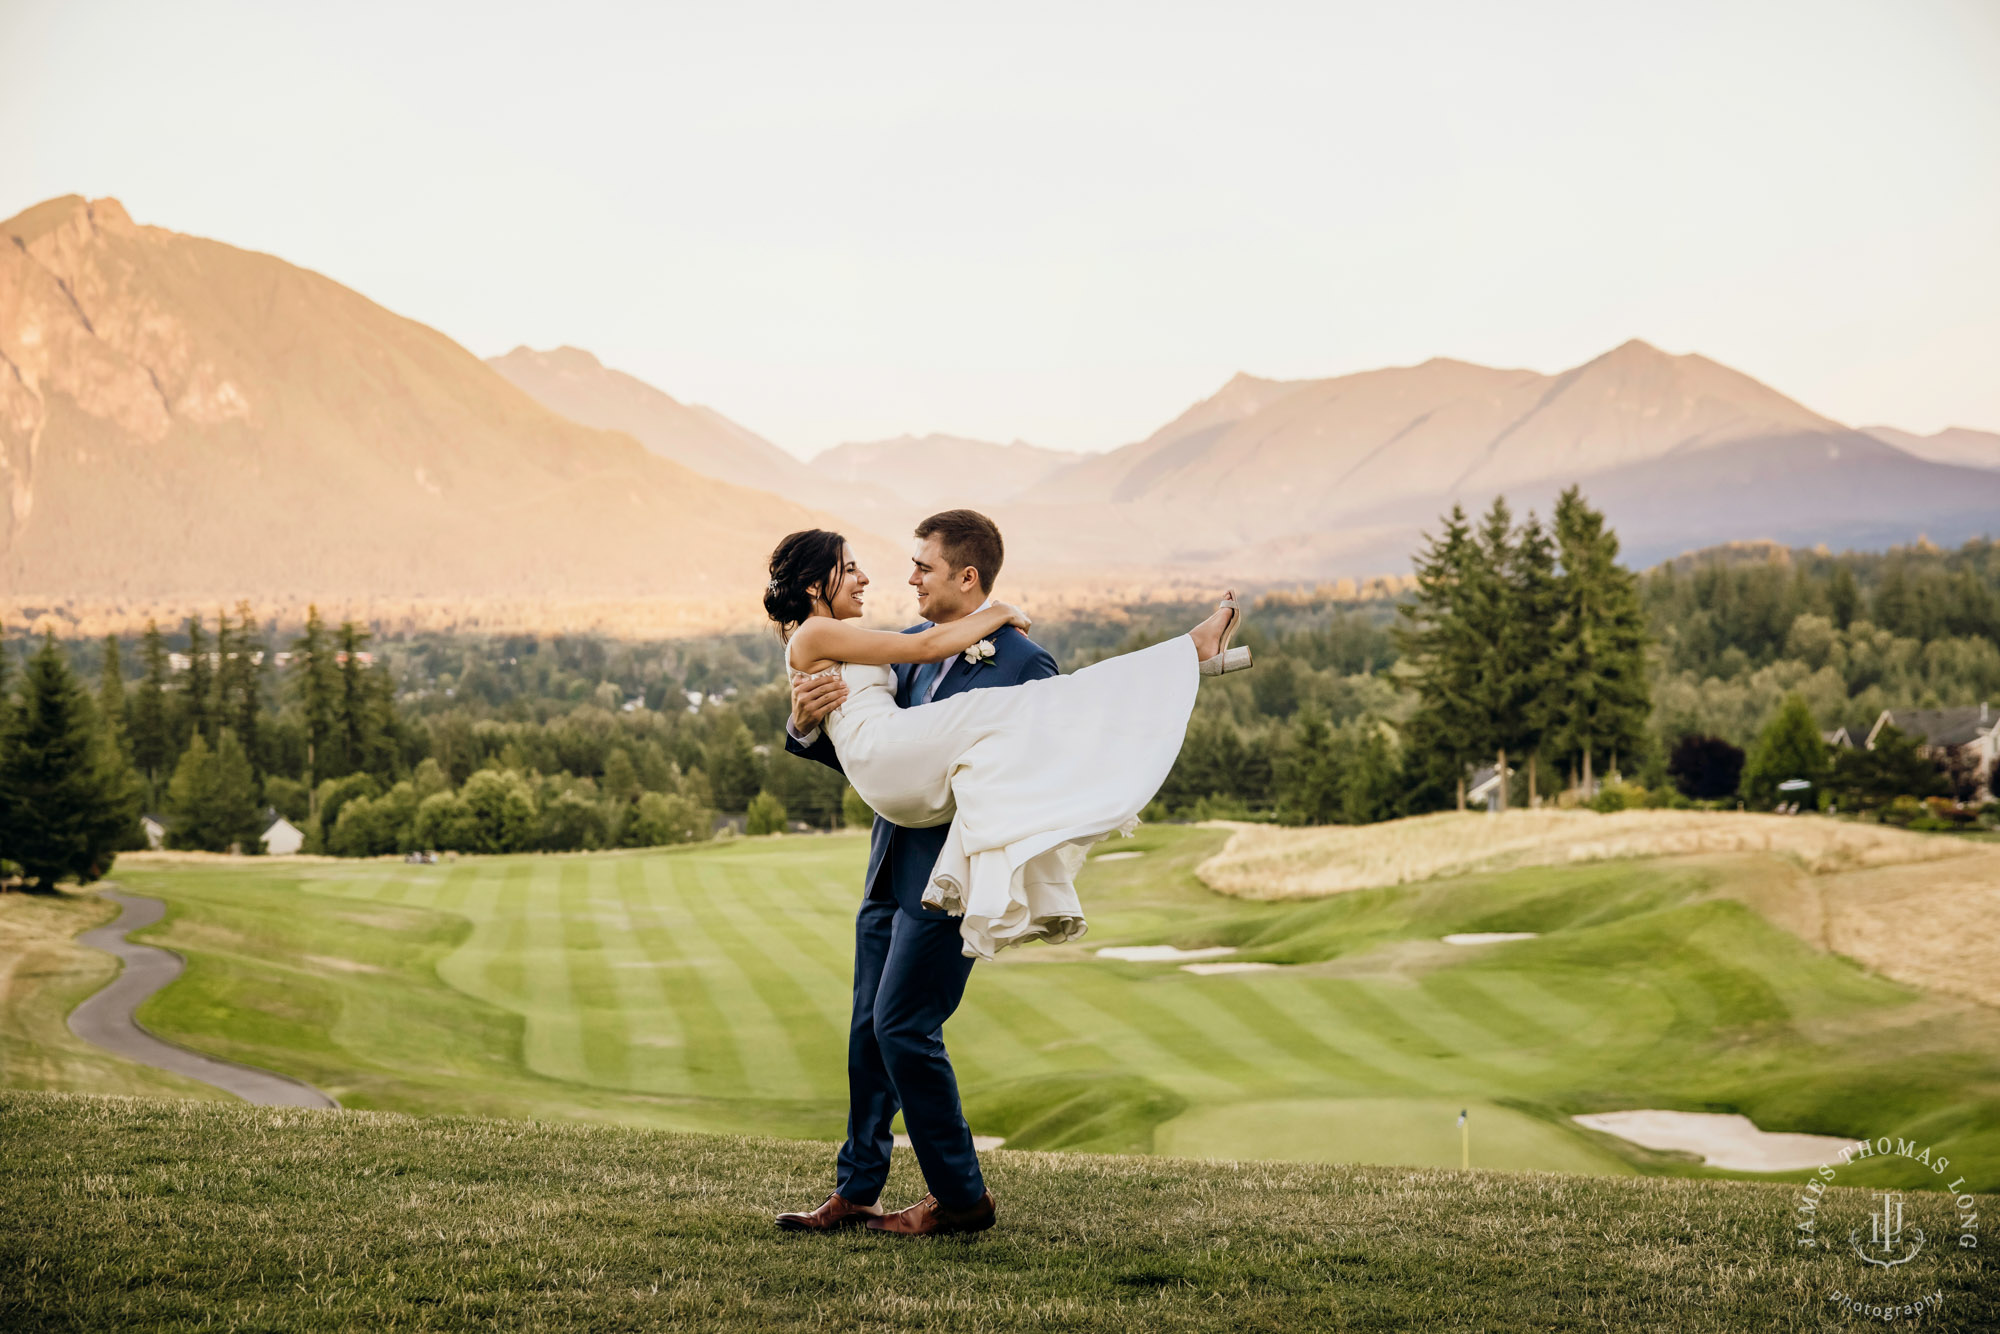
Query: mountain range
{"x": 1305, "y": 478}
{"x": 183, "y": 423}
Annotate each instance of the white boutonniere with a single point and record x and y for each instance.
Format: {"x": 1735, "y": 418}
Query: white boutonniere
{"x": 981, "y": 653}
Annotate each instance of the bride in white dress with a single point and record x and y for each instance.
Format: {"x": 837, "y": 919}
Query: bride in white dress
{"x": 1030, "y": 776}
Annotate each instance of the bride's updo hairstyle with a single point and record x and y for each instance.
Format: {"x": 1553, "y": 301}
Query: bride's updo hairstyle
{"x": 802, "y": 560}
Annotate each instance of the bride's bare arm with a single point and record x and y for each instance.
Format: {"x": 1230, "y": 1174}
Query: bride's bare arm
{"x": 823, "y": 639}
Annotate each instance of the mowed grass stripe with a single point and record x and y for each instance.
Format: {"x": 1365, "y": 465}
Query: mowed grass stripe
{"x": 822, "y": 936}
{"x": 1157, "y": 1038}
{"x": 797, "y": 1027}
{"x": 594, "y": 987}
{"x": 771, "y": 1068}
{"x": 652, "y": 1036}
{"x": 555, "y": 1030}
{"x": 1022, "y": 1002}
{"x": 1268, "y": 1005}
{"x": 1329, "y": 1004}
{"x": 710, "y": 1054}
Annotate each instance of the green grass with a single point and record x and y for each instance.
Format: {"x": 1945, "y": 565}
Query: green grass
{"x": 159, "y": 1215}
{"x": 44, "y": 974}
{"x": 706, "y": 989}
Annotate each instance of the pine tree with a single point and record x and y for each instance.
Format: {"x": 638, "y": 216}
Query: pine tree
{"x": 1434, "y": 639}
{"x": 67, "y": 799}
{"x": 1600, "y": 698}
{"x": 212, "y": 799}
{"x": 239, "y": 687}
{"x": 1491, "y": 640}
{"x": 1536, "y": 611}
{"x": 357, "y": 726}
{"x": 151, "y": 727}
{"x": 1790, "y": 746}
{"x": 111, "y": 698}
{"x": 198, "y": 688}
{"x": 318, "y": 687}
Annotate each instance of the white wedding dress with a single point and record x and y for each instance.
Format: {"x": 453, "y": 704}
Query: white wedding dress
{"x": 1030, "y": 776}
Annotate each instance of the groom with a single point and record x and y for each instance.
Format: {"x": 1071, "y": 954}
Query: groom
{"x": 909, "y": 966}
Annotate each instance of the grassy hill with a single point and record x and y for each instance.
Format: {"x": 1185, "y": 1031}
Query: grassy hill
{"x": 706, "y": 989}
{"x": 151, "y": 1214}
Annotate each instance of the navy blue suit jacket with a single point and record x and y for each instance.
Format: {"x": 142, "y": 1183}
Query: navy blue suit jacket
{"x": 899, "y": 859}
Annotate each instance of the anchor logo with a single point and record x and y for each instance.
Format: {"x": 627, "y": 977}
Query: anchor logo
{"x": 1885, "y": 1234}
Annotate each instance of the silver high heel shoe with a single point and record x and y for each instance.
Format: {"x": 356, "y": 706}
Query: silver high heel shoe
{"x": 1228, "y": 659}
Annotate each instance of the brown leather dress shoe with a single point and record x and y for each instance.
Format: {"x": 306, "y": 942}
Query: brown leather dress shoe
{"x": 928, "y": 1218}
{"x": 834, "y": 1214}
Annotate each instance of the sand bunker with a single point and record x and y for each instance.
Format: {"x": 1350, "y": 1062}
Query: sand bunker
{"x": 1723, "y": 1140}
{"x": 1486, "y": 937}
{"x": 1116, "y": 856}
{"x": 1161, "y": 953}
{"x": 1214, "y": 969}
{"x": 1269, "y": 862}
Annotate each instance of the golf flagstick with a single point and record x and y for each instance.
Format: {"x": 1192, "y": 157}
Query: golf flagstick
{"x": 1464, "y": 1143}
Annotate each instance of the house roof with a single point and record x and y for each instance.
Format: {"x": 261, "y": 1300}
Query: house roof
{"x": 1939, "y": 727}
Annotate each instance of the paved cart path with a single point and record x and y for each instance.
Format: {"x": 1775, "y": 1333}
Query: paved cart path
{"x": 106, "y": 1019}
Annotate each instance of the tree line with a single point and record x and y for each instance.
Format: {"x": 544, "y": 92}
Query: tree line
{"x": 1523, "y": 646}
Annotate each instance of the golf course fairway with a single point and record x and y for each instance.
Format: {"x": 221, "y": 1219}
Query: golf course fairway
{"x": 706, "y": 989}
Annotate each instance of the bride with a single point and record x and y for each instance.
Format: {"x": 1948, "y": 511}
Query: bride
{"x": 1030, "y": 777}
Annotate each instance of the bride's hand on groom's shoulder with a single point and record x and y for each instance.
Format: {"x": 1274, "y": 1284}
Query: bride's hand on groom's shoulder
{"x": 1016, "y": 617}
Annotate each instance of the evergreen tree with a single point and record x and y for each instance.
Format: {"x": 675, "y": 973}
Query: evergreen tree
{"x": 198, "y": 688}
{"x": 240, "y": 687}
{"x": 111, "y": 698}
{"x": 1895, "y": 766}
{"x": 1492, "y": 640}
{"x": 358, "y": 725}
{"x": 1436, "y": 640}
{"x": 1600, "y": 697}
{"x": 212, "y": 799}
{"x": 1309, "y": 775}
{"x": 1790, "y": 746}
{"x": 151, "y": 726}
{"x": 1537, "y": 610}
{"x": 319, "y": 694}
{"x": 67, "y": 799}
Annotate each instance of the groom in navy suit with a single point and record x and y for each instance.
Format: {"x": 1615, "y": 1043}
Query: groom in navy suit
{"x": 909, "y": 967}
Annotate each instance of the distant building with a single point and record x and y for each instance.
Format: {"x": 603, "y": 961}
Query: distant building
{"x": 1838, "y": 739}
{"x": 282, "y": 838}
{"x": 155, "y": 827}
{"x": 1484, "y": 787}
{"x": 1968, "y": 731}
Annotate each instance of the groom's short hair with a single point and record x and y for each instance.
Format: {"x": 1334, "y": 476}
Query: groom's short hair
{"x": 967, "y": 537}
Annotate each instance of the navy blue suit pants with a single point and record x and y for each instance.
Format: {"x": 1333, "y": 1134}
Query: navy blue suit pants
{"x": 909, "y": 975}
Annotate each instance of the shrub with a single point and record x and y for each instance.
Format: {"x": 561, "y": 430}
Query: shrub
{"x": 1789, "y": 747}
{"x": 1613, "y": 797}
{"x": 445, "y": 823}
{"x": 503, "y": 810}
{"x": 856, "y": 812}
{"x": 662, "y": 818}
{"x": 766, "y": 815}
{"x": 572, "y": 822}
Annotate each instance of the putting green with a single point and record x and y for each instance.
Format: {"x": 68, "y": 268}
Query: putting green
{"x": 1412, "y": 1132}
{"x": 707, "y": 988}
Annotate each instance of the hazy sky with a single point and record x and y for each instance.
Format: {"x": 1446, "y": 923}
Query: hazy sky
{"x": 1065, "y": 223}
